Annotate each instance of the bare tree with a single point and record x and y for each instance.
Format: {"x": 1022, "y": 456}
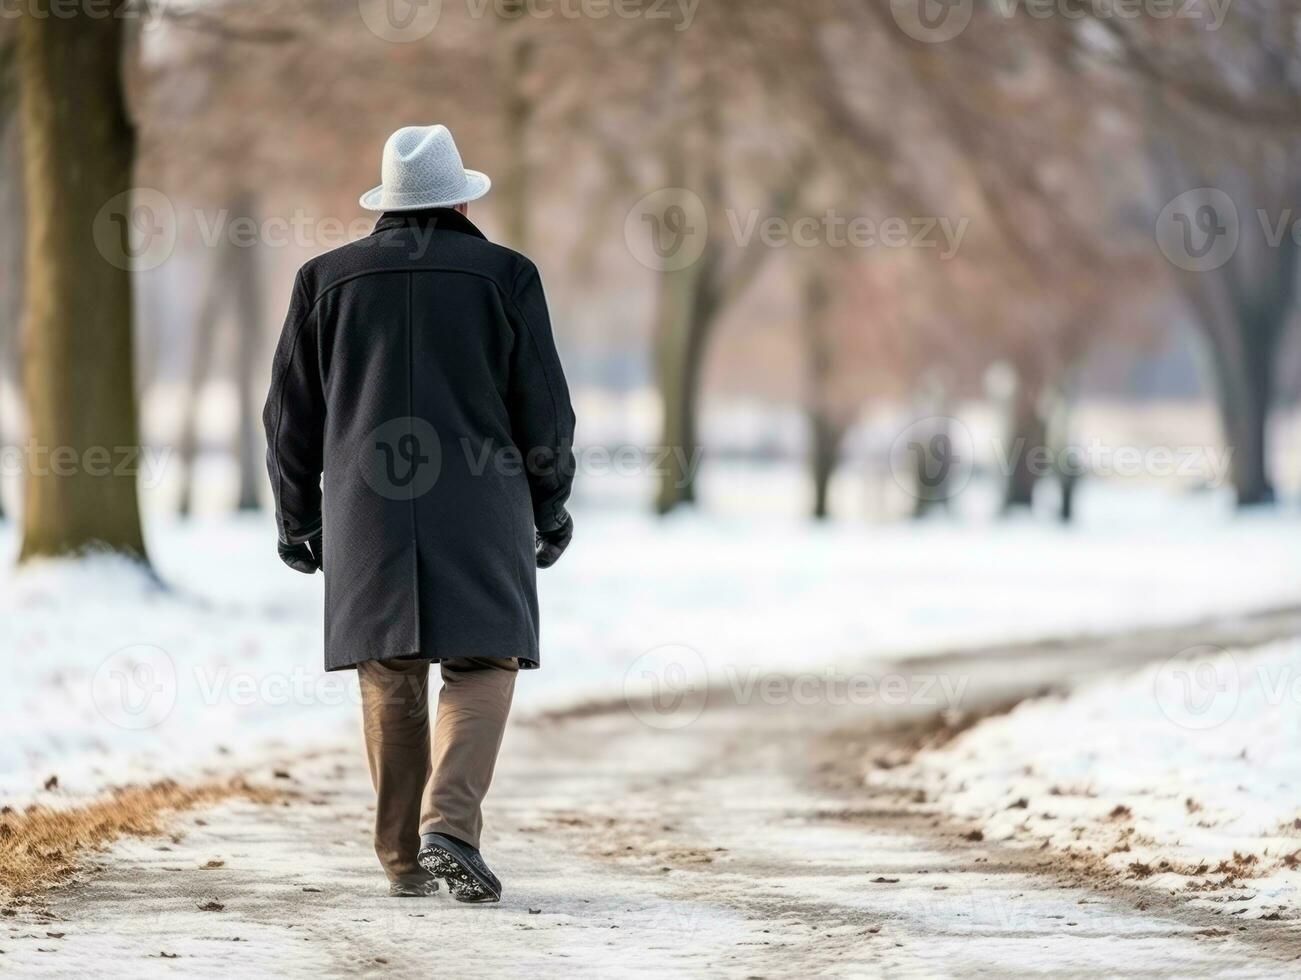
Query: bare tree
{"x": 1225, "y": 124}
{"x": 1045, "y": 136}
{"x": 1244, "y": 307}
{"x": 707, "y": 100}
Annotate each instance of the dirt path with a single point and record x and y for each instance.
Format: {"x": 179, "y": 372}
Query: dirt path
{"x": 741, "y": 845}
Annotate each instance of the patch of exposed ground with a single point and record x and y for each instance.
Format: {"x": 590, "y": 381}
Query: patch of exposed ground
{"x": 42, "y": 845}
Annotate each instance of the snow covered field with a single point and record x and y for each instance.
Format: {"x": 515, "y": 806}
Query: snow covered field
{"x": 1183, "y": 777}
{"x": 111, "y": 679}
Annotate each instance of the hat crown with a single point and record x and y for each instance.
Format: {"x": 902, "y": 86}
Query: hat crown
{"x": 423, "y": 160}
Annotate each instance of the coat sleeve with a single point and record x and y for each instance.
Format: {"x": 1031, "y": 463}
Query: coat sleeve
{"x": 542, "y": 418}
{"x": 295, "y": 423}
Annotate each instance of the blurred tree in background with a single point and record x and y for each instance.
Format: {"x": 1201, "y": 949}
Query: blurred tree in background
{"x": 1224, "y": 114}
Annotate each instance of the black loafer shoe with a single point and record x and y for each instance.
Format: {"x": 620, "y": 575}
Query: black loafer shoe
{"x": 461, "y": 866}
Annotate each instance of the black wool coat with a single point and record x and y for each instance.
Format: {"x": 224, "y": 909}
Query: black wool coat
{"x": 419, "y": 418}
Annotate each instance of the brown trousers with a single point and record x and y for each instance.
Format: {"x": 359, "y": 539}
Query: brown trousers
{"x": 419, "y": 792}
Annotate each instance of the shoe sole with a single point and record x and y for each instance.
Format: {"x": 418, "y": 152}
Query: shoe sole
{"x": 463, "y": 881}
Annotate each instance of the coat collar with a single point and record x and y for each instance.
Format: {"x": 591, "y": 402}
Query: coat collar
{"x": 442, "y": 218}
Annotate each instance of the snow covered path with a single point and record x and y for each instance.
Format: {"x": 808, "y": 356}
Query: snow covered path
{"x": 745, "y": 843}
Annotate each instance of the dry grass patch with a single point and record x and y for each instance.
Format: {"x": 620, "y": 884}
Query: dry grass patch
{"x": 40, "y": 845}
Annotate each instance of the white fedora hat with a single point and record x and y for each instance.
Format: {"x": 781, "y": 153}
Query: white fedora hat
{"x": 422, "y": 169}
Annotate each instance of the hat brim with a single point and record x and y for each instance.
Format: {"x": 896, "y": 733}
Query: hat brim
{"x": 476, "y": 185}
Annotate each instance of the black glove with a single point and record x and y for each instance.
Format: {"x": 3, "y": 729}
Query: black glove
{"x": 552, "y": 544}
{"x": 305, "y": 558}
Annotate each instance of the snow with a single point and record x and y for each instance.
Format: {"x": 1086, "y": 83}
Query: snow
{"x": 112, "y": 678}
{"x": 1180, "y": 776}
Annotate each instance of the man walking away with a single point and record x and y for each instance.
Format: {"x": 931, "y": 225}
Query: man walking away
{"x": 419, "y": 435}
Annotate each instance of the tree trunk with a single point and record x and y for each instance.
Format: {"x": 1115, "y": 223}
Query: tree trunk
{"x": 205, "y": 336}
{"x": 679, "y": 340}
{"x": 692, "y": 385}
{"x": 11, "y": 227}
{"x": 1027, "y": 435}
{"x": 1068, "y": 482}
{"x": 1067, "y": 469}
{"x": 515, "y": 55}
{"x": 825, "y": 459}
{"x": 78, "y": 372}
{"x": 688, "y": 310}
{"x": 932, "y": 454}
{"x": 826, "y": 429}
{"x": 1246, "y": 385}
{"x": 246, "y": 282}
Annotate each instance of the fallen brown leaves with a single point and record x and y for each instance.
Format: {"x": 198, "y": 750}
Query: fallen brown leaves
{"x": 40, "y": 846}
